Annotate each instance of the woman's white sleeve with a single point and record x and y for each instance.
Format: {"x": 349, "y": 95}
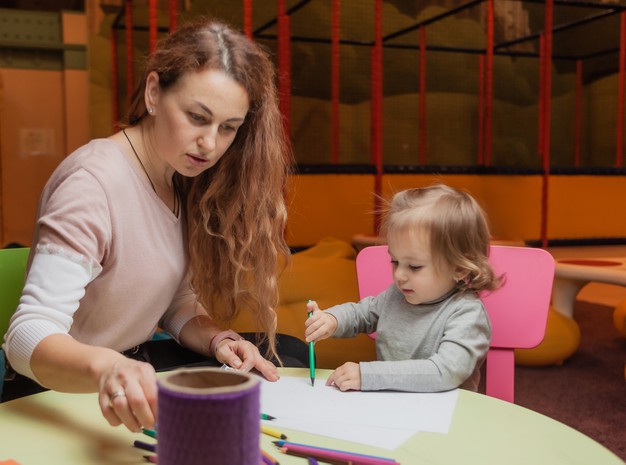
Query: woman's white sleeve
{"x": 55, "y": 284}
{"x": 183, "y": 308}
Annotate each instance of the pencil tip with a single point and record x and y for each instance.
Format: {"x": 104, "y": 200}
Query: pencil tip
{"x": 312, "y": 381}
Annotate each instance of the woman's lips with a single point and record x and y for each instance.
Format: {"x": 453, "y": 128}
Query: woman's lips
{"x": 197, "y": 161}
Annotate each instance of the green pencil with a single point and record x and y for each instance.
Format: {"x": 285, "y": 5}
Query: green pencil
{"x": 149, "y": 432}
{"x": 312, "y": 359}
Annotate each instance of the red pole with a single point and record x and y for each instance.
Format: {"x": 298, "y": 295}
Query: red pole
{"x": 578, "y": 111}
{"x": 173, "y": 15}
{"x": 153, "y": 23}
{"x": 377, "y": 111}
{"x": 548, "y": 86}
{"x": 284, "y": 66}
{"x": 130, "y": 80}
{"x": 619, "y": 144}
{"x": 546, "y": 119}
{"x": 335, "y": 82}
{"x": 542, "y": 65}
{"x": 114, "y": 83}
{"x": 247, "y": 18}
{"x": 422, "y": 109}
{"x": 489, "y": 82}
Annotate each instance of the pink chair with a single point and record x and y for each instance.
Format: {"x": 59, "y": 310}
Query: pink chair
{"x": 518, "y": 310}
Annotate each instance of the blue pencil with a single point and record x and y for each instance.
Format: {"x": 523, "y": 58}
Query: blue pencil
{"x": 309, "y": 450}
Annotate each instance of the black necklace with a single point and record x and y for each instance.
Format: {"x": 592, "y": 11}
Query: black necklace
{"x": 175, "y": 197}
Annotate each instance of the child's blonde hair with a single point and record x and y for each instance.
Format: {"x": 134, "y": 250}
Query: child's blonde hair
{"x": 455, "y": 225}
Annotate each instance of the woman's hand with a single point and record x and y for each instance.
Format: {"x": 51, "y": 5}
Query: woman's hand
{"x": 347, "y": 377}
{"x": 127, "y": 389}
{"x": 245, "y": 356}
{"x": 319, "y": 325}
{"x": 128, "y": 394}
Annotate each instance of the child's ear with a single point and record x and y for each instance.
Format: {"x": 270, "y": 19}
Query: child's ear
{"x": 460, "y": 274}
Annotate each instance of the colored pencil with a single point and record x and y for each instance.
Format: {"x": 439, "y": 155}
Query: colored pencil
{"x": 312, "y": 358}
{"x": 150, "y": 458}
{"x": 267, "y": 458}
{"x": 149, "y": 432}
{"x": 265, "y": 416}
{"x": 312, "y": 461}
{"x": 272, "y": 432}
{"x": 307, "y": 457}
{"x": 323, "y": 453}
{"x": 145, "y": 446}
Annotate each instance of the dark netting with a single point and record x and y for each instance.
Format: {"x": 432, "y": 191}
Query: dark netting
{"x": 454, "y": 129}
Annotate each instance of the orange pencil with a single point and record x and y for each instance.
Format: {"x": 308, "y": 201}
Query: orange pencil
{"x": 269, "y": 458}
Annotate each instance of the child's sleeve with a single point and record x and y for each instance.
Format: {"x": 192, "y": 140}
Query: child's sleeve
{"x": 455, "y": 363}
{"x": 355, "y": 318}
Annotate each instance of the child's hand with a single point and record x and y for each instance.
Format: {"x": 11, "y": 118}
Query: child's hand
{"x": 319, "y": 325}
{"x": 347, "y": 377}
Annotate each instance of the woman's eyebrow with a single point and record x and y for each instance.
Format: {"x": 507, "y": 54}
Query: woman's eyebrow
{"x": 210, "y": 113}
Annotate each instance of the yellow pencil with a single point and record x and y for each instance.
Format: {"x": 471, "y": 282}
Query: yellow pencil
{"x": 272, "y": 432}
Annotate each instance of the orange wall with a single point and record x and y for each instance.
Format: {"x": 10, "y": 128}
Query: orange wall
{"x": 76, "y": 108}
{"x": 76, "y": 84}
{"x": 329, "y": 205}
{"x": 587, "y": 206}
{"x": 579, "y": 207}
{"x": 32, "y": 145}
{"x": 43, "y": 117}
{"x": 512, "y": 203}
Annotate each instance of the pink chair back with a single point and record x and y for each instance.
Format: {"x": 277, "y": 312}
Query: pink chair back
{"x": 518, "y": 310}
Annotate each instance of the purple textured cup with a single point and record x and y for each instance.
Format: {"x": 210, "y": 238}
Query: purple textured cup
{"x": 208, "y": 415}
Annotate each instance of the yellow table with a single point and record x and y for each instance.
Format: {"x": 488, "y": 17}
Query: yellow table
{"x": 52, "y": 428}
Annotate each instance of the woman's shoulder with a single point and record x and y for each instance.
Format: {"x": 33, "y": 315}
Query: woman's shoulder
{"x": 101, "y": 158}
{"x": 95, "y": 153}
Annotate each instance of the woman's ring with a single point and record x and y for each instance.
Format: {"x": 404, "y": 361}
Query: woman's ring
{"x": 115, "y": 394}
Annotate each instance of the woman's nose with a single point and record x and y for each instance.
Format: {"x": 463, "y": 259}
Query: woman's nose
{"x": 207, "y": 141}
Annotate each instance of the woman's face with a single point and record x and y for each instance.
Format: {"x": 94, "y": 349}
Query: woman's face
{"x": 196, "y": 119}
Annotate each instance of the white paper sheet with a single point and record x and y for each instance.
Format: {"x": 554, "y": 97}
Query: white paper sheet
{"x": 382, "y": 419}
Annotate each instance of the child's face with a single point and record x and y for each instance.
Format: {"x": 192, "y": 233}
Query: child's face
{"x": 414, "y": 271}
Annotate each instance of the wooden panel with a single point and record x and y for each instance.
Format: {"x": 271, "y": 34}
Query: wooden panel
{"x": 31, "y": 147}
{"x": 329, "y": 205}
{"x": 586, "y": 206}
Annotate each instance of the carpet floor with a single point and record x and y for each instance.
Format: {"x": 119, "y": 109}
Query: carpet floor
{"x": 587, "y": 392}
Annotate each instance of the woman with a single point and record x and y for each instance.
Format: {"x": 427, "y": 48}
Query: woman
{"x": 176, "y": 222}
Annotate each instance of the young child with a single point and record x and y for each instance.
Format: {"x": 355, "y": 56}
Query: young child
{"x": 432, "y": 330}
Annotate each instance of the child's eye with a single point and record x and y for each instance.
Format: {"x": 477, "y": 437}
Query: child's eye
{"x": 394, "y": 262}
{"x": 228, "y": 127}
{"x": 415, "y": 267}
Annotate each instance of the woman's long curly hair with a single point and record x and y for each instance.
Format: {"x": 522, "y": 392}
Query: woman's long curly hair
{"x": 235, "y": 212}
{"x": 456, "y": 226}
